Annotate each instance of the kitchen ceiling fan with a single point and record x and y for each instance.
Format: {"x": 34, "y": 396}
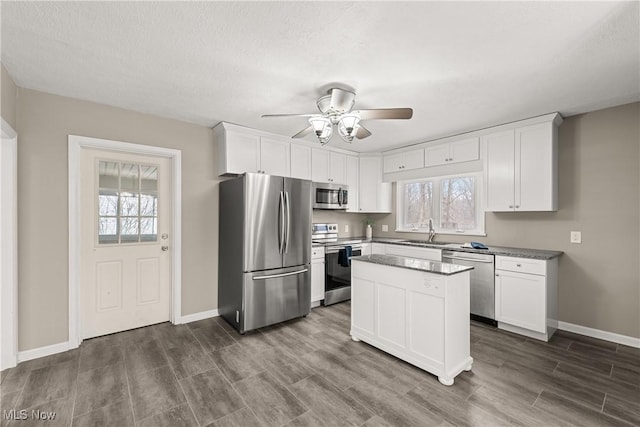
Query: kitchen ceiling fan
{"x": 336, "y": 109}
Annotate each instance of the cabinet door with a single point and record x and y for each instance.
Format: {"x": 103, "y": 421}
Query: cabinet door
{"x": 363, "y": 305}
{"x": 521, "y": 300}
{"x": 393, "y": 163}
{"x": 378, "y": 248}
{"x": 319, "y": 165}
{"x": 242, "y": 152}
{"x": 536, "y": 164}
{"x": 275, "y": 156}
{"x": 436, "y": 155}
{"x": 337, "y": 168}
{"x": 317, "y": 280}
{"x": 300, "y": 161}
{"x": 425, "y": 325}
{"x": 391, "y": 313}
{"x": 352, "y": 182}
{"x": 369, "y": 177}
{"x": 413, "y": 159}
{"x": 499, "y": 171}
{"x": 465, "y": 150}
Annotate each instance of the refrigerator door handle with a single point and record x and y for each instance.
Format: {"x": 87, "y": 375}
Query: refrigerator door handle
{"x": 281, "y": 236}
{"x": 275, "y": 276}
{"x": 288, "y": 222}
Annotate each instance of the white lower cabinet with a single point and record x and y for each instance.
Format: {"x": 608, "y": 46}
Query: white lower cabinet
{"x": 378, "y": 248}
{"x": 419, "y": 317}
{"x": 526, "y": 296}
{"x": 317, "y": 274}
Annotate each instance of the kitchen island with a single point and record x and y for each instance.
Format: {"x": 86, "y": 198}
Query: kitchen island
{"x": 414, "y": 309}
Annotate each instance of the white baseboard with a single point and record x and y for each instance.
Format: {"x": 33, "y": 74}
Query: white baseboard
{"x": 199, "y": 316}
{"x": 597, "y": 333}
{"x": 48, "y": 350}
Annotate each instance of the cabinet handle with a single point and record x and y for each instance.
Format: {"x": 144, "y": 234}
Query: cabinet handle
{"x": 497, "y": 275}
{"x": 517, "y": 206}
{"x": 510, "y": 206}
{"x": 518, "y": 265}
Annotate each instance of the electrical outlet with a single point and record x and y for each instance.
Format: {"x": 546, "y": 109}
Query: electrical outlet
{"x": 385, "y": 227}
{"x": 346, "y": 228}
{"x": 576, "y": 237}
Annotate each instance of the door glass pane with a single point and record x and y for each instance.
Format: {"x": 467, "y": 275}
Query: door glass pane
{"x": 127, "y": 203}
{"x": 129, "y": 177}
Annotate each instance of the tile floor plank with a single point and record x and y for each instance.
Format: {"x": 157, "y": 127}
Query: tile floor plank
{"x": 154, "y": 391}
{"x": 101, "y": 387}
{"x": 210, "y": 396}
{"x": 177, "y": 416}
{"x": 119, "y": 414}
{"x": 241, "y": 418}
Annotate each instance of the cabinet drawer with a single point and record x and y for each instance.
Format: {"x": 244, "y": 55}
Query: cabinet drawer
{"x": 421, "y": 253}
{"x": 317, "y": 253}
{"x": 521, "y": 265}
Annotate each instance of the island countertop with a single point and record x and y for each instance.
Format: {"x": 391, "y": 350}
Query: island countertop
{"x": 414, "y": 264}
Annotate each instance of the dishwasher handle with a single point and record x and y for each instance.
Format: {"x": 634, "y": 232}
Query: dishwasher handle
{"x": 453, "y": 257}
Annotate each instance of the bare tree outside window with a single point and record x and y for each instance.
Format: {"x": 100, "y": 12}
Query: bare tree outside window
{"x": 418, "y": 203}
{"x": 458, "y": 203}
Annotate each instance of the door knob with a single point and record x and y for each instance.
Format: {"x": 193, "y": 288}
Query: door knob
{"x": 165, "y": 248}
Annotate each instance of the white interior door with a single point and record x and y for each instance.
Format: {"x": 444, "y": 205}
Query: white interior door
{"x": 125, "y": 278}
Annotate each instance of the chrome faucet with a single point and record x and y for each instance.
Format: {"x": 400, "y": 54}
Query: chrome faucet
{"x": 432, "y": 232}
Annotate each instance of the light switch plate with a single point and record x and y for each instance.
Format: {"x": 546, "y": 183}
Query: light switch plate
{"x": 346, "y": 228}
{"x": 576, "y": 237}
{"x": 385, "y": 227}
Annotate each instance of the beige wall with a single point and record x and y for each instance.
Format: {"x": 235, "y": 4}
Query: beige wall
{"x": 8, "y": 95}
{"x": 44, "y": 122}
{"x": 599, "y": 280}
{"x": 355, "y": 221}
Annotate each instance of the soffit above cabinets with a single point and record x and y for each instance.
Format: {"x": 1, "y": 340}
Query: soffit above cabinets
{"x": 459, "y": 65}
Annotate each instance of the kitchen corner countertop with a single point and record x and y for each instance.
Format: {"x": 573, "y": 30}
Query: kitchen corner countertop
{"x": 414, "y": 264}
{"x": 493, "y": 250}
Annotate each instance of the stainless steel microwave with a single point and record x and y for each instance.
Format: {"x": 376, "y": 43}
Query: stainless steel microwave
{"x": 330, "y": 196}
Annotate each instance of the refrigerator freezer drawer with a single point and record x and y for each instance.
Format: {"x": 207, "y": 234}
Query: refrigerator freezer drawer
{"x": 275, "y": 296}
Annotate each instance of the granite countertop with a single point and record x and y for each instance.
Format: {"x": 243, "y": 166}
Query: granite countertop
{"x": 414, "y": 264}
{"x": 493, "y": 250}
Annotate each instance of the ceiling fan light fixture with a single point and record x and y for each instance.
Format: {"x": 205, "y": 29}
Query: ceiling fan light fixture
{"x": 322, "y": 127}
{"x": 348, "y": 126}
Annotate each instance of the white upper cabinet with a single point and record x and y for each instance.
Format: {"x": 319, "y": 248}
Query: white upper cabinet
{"x": 328, "y": 166}
{"x": 240, "y": 152}
{"x": 463, "y": 150}
{"x": 406, "y": 160}
{"x": 353, "y": 183}
{"x": 274, "y": 157}
{"x": 375, "y": 195}
{"x": 521, "y": 168}
{"x": 300, "y": 161}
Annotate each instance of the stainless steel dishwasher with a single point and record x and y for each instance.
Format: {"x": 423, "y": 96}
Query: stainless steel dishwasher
{"x": 482, "y": 292}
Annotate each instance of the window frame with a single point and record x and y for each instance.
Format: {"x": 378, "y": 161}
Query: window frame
{"x": 436, "y": 183}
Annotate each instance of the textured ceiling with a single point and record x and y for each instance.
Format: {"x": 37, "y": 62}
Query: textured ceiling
{"x": 459, "y": 65}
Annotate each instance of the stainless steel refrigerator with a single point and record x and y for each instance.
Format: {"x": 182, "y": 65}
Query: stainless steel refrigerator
{"x": 264, "y": 250}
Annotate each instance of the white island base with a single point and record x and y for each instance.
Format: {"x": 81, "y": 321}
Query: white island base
{"x": 415, "y": 315}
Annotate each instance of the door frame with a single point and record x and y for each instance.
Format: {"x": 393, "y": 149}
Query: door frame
{"x": 76, "y": 145}
{"x": 9, "y": 247}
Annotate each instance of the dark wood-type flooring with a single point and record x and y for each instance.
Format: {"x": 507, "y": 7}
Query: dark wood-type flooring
{"x": 308, "y": 372}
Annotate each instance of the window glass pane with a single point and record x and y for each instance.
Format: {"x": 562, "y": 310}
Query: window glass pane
{"x": 108, "y": 175}
{"x": 148, "y": 229}
{"x": 129, "y": 177}
{"x": 148, "y": 179}
{"x": 129, "y": 229}
{"x": 129, "y": 204}
{"x": 458, "y": 203}
{"x": 108, "y": 230}
{"x": 418, "y": 203}
{"x": 107, "y": 203}
{"x": 148, "y": 205}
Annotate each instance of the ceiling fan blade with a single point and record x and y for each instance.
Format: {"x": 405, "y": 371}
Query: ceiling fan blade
{"x": 304, "y": 132}
{"x": 386, "y": 113}
{"x": 362, "y": 132}
{"x": 288, "y": 115}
